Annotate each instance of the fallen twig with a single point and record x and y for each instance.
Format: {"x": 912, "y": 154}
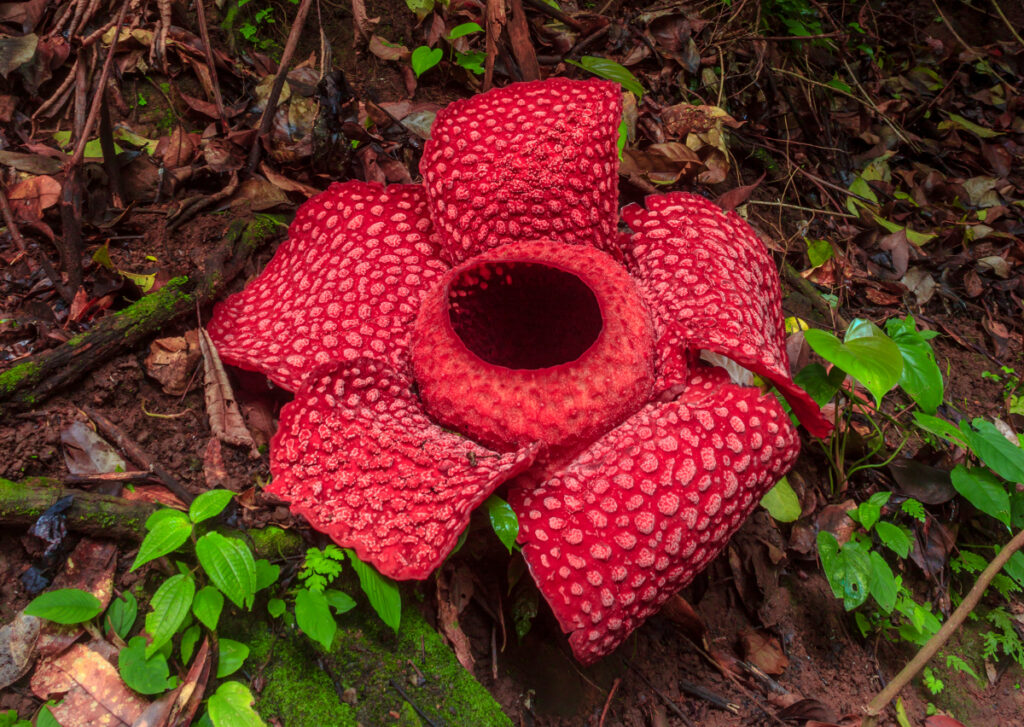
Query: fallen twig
{"x": 881, "y": 701}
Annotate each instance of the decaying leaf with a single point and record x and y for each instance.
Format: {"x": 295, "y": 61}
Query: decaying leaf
{"x": 213, "y": 465}
{"x": 93, "y": 691}
{"x": 87, "y": 453}
{"x": 764, "y": 652}
{"x": 226, "y": 420}
{"x": 17, "y": 648}
{"x": 452, "y": 597}
{"x": 172, "y": 361}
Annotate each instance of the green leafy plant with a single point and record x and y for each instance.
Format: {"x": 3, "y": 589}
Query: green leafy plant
{"x": 424, "y": 58}
{"x": 611, "y": 71}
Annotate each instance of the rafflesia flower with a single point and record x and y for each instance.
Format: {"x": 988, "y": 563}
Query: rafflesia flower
{"x": 492, "y": 326}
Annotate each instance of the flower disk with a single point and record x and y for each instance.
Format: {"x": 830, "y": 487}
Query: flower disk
{"x": 534, "y": 342}
{"x": 357, "y": 457}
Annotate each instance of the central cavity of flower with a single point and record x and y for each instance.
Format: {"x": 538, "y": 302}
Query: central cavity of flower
{"x": 534, "y": 341}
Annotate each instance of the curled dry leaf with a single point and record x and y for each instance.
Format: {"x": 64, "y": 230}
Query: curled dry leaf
{"x": 226, "y": 420}
{"x": 172, "y": 361}
{"x": 388, "y": 51}
{"x": 178, "y": 149}
{"x": 452, "y": 597}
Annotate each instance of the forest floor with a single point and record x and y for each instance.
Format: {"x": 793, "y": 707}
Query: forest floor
{"x": 880, "y": 157}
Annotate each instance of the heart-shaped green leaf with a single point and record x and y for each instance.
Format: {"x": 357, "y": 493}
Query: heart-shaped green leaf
{"x": 866, "y": 354}
{"x": 425, "y": 58}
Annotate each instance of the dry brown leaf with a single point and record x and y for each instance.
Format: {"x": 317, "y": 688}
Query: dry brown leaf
{"x": 286, "y": 184}
{"x": 452, "y": 597}
{"x": 226, "y": 420}
{"x": 178, "y": 149}
{"x": 30, "y": 197}
{"x": 172, "y": 361}
{"x": 17, "y": 648}
{"x": 213, "y": 465}
{"x": 764, "y": 652}
{"x": 94, "y": 691}
{"x": 388, "y": 51}
{"x": 363, "y": 25}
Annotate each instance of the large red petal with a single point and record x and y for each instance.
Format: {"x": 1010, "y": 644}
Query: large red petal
{"x": 357, "y": 457}
{"x": 346, "y": 283}
{"x": 714, "y": 287}
{"x": 634, "y": 518}
{"x": 530, "y": 161}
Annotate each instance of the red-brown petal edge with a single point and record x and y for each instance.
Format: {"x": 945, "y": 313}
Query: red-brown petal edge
{"x": 634, "y": 518}
{"x": 347, "y": 282}
{"x": 356, "y": 456}
{"x": 534, "y": 160}
{"x": 714, "y": 287}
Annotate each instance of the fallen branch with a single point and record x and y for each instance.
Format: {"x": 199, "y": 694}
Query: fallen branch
{"x": 27, "y": 383}
{"x": 881, "y": 701}
{"x": 102, "y": 516}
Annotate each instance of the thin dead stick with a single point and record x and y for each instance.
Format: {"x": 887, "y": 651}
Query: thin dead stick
{"x": 879, "y": 703}
{"x": 1009, "y": 25}
{"x": 555, "y": 13}
{"x": 137, "y": 455}
{"x": 275, "y": 91}
{"x": 608, "y": 702}
{"x": 12, "y": 227}
{"x": 204, "y": 33}
{"x": 664, "y": 697}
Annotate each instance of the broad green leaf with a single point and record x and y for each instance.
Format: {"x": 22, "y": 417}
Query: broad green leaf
{"x": 121, "y": 614}
{"x": 189, "y": 639}
{"x": 146, "y": 675}
{"x": 162, "y": 513}
{"x": 341, "y": 602}
{"x": 781, "y": 502}
{"x": 866, "y": 354}
{"x": 818, "y": 251}
{"x": 209, "y": 504}
{"x": 503, "y": 520}
{"x": 979, "y": 131}
{"x": 381, "y": 591}
{"x": 231, "y": 706}
{"x": 882, "y": 583}
{"x": 230, "y": 657}
{"x": 980, "y": 488}
{"x": 165, "y": 536}
{"x": 275, "y": 607}
{"x": 819, "y": 384}
{"x": 464, "y": 29}
{"x": 170, "y": 605}
{"x": 847, "y": 569}
{"x": 45, "y": 718}
{"x": 423, "y": 59}
{"x": 65, "y": 606}
{"x": 940, "y": 428}
{"x": 422, "y": 8}
{"x": 894, "y": 537}
{"x": 472, "y": 61}
{"x": 313, "y": 615}
{"x": 207, "y": 605}
{"x": 921, "y": 378}
{"x": 266, "y": 573}
{"x": 230, "y": 565}
{"x": 995, "y": 451}
{"x": 611, "y": 71}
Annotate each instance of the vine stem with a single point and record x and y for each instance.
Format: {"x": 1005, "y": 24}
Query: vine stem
{"x": 882, "y": 699}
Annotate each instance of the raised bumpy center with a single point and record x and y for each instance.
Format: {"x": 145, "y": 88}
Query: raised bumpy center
{"x": 534, "y": 341}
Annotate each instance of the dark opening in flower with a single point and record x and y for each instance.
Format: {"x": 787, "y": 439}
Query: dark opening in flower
{"x": 523, "y": 315}
{"x": 565, "y": 357}
{"x": 555, "y": 349}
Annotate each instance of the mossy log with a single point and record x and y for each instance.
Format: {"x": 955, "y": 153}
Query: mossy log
{"x": 102, "y": 516}
{"x": 27, "y": 383}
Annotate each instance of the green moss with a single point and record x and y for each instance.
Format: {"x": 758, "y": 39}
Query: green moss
{"x": 76, "y": 340}
{"x": 297, "y": 691}
{"x": 273, "y": 542}
{"x": 367, "y": 657}
{"x": 162, "y": 302}
{"x": 12, "y": 378}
